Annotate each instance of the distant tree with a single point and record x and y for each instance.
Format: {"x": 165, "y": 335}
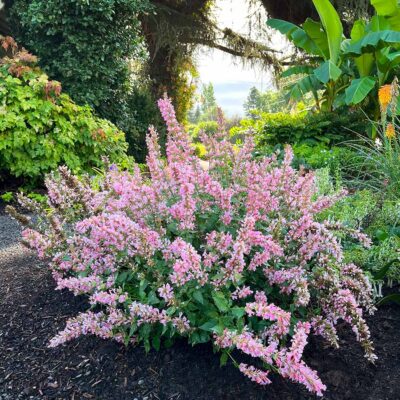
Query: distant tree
{"x": 197, "y": 113}
{"x": 208, "y": 103}
{"x": 194, "y": 114}
{"x": 274, "y": 101}
{"x": 208, "y": 99}
{"x": 271, "y": 101}
{"x": 253, "y": 102}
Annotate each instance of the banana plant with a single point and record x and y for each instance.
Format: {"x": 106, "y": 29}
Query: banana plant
{"x": 345, "y": 71}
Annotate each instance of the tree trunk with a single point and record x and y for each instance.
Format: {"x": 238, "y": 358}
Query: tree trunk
{"x": 295, "y": 11}
{"x": 4, "y": 27}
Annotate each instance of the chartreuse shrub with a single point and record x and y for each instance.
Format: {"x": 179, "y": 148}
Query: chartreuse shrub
{"x": 303, "y": 128}
{"x": 208, "y": 127}
{"x": 231, "y": 254}
{"x": 42, "y": 128}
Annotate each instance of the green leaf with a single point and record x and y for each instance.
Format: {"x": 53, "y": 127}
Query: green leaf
{"x": 385, "y": 7}
{"x": 359, "y": 90}
{"x": 316, "y": 32}
{"x": 378, "y": 24}
{"x": 328, "y": 71}
{"x": 223, "y": 359}
{"x": 142, "y": 287}
{"x": 340, "y": 100}
{"x": 394, "y": 58}
{"x": 381, "y": 234}
{"x": 238, "y": 312}
{"x": 394, "y": 21}
{"x": 304, "y": 86}
{"x": 366, "y": 61}
{"x": 297, "y": 70}
{"x": 156, "y": 342}
{"x": 152, "y": 298}
{"x": 395, "y": 297}
{"x": 210, "y": 325}
{"x": 220, "y": 301}
{"x": 284, "y": 27}
{"x": 199, "y": 337}
{"x": 198, "y": 296}
{"x": 333, "y": 27}
{"x": 384, "y": 270}
{"x": 296, "y": 35}
{"x": 373, "y": 41}
{"x": 395, "y": 231}
{"x": 358, "y": 30}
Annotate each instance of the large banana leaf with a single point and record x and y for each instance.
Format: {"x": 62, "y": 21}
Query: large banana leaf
{"x": 316, "y": 32}
{"x": 373, "y": 41}
{"x": 297, "y": 70}
{"x": 378, "y": 23}
{"x": 328, "y": 71}
{"x": 381, "y": 23}
{"x": 365, "y": 62}
{"x": 394, "y": 58}
{"x": 390, "y": 10}
{"x": 385, "y": 7}
{"x": 305, "y": 85}
{"x": 394, "y": 20}
{"x": 359, "y": 90}
{"x": 296, "y": 35}
{"x": 333, "y": 27}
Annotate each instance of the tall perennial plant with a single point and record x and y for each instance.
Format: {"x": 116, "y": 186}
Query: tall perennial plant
{"x": 228, "y": 252}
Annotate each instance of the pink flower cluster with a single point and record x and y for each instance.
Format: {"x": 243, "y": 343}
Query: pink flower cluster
{"x": 256, "y": 375}
{"x": 145, "y": 314}
{"x": 176, "y": 245}
{"x": 270, "y": 312}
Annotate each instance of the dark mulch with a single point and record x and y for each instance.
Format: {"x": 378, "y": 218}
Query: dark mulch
{"x": 31, "y": 312}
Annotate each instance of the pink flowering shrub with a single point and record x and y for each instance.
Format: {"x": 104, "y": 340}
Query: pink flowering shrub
{"x": 230, "y": 252}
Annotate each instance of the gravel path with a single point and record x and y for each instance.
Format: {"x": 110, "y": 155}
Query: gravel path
{"x": 10, "y": 233}
{"x": 12, "y": 255}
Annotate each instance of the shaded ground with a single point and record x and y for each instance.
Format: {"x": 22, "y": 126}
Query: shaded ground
{"x": 31, "y": 312}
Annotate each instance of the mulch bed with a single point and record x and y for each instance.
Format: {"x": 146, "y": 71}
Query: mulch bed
{"x": 31, "y": 313}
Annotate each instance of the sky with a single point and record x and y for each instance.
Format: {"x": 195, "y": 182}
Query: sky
{"x": 231, "y": 80}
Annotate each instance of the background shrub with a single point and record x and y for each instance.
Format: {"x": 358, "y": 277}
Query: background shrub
{"x": 208, "y": 127}
{"x": 86, "y": 45}
{"x": 91, "y": 47}
{"x": 280, "y": 128}
{"x": 374, "y": 214}
{"x": 41, "y": 127}
{"x": 139, "y": 112}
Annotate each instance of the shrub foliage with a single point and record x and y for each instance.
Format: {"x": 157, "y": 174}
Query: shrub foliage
{"x": 229, "y": 252}
{"x": 303, "y": 128}
{"x": 42, "y": 128}
{"x": 91, "y": 46}
{"x": 85, "y": 45}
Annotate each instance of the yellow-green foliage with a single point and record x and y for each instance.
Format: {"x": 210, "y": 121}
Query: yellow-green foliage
{"x": 41, "y": 128}
{"x": 302, "y": 127}
{"x": 208, "y": 127}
